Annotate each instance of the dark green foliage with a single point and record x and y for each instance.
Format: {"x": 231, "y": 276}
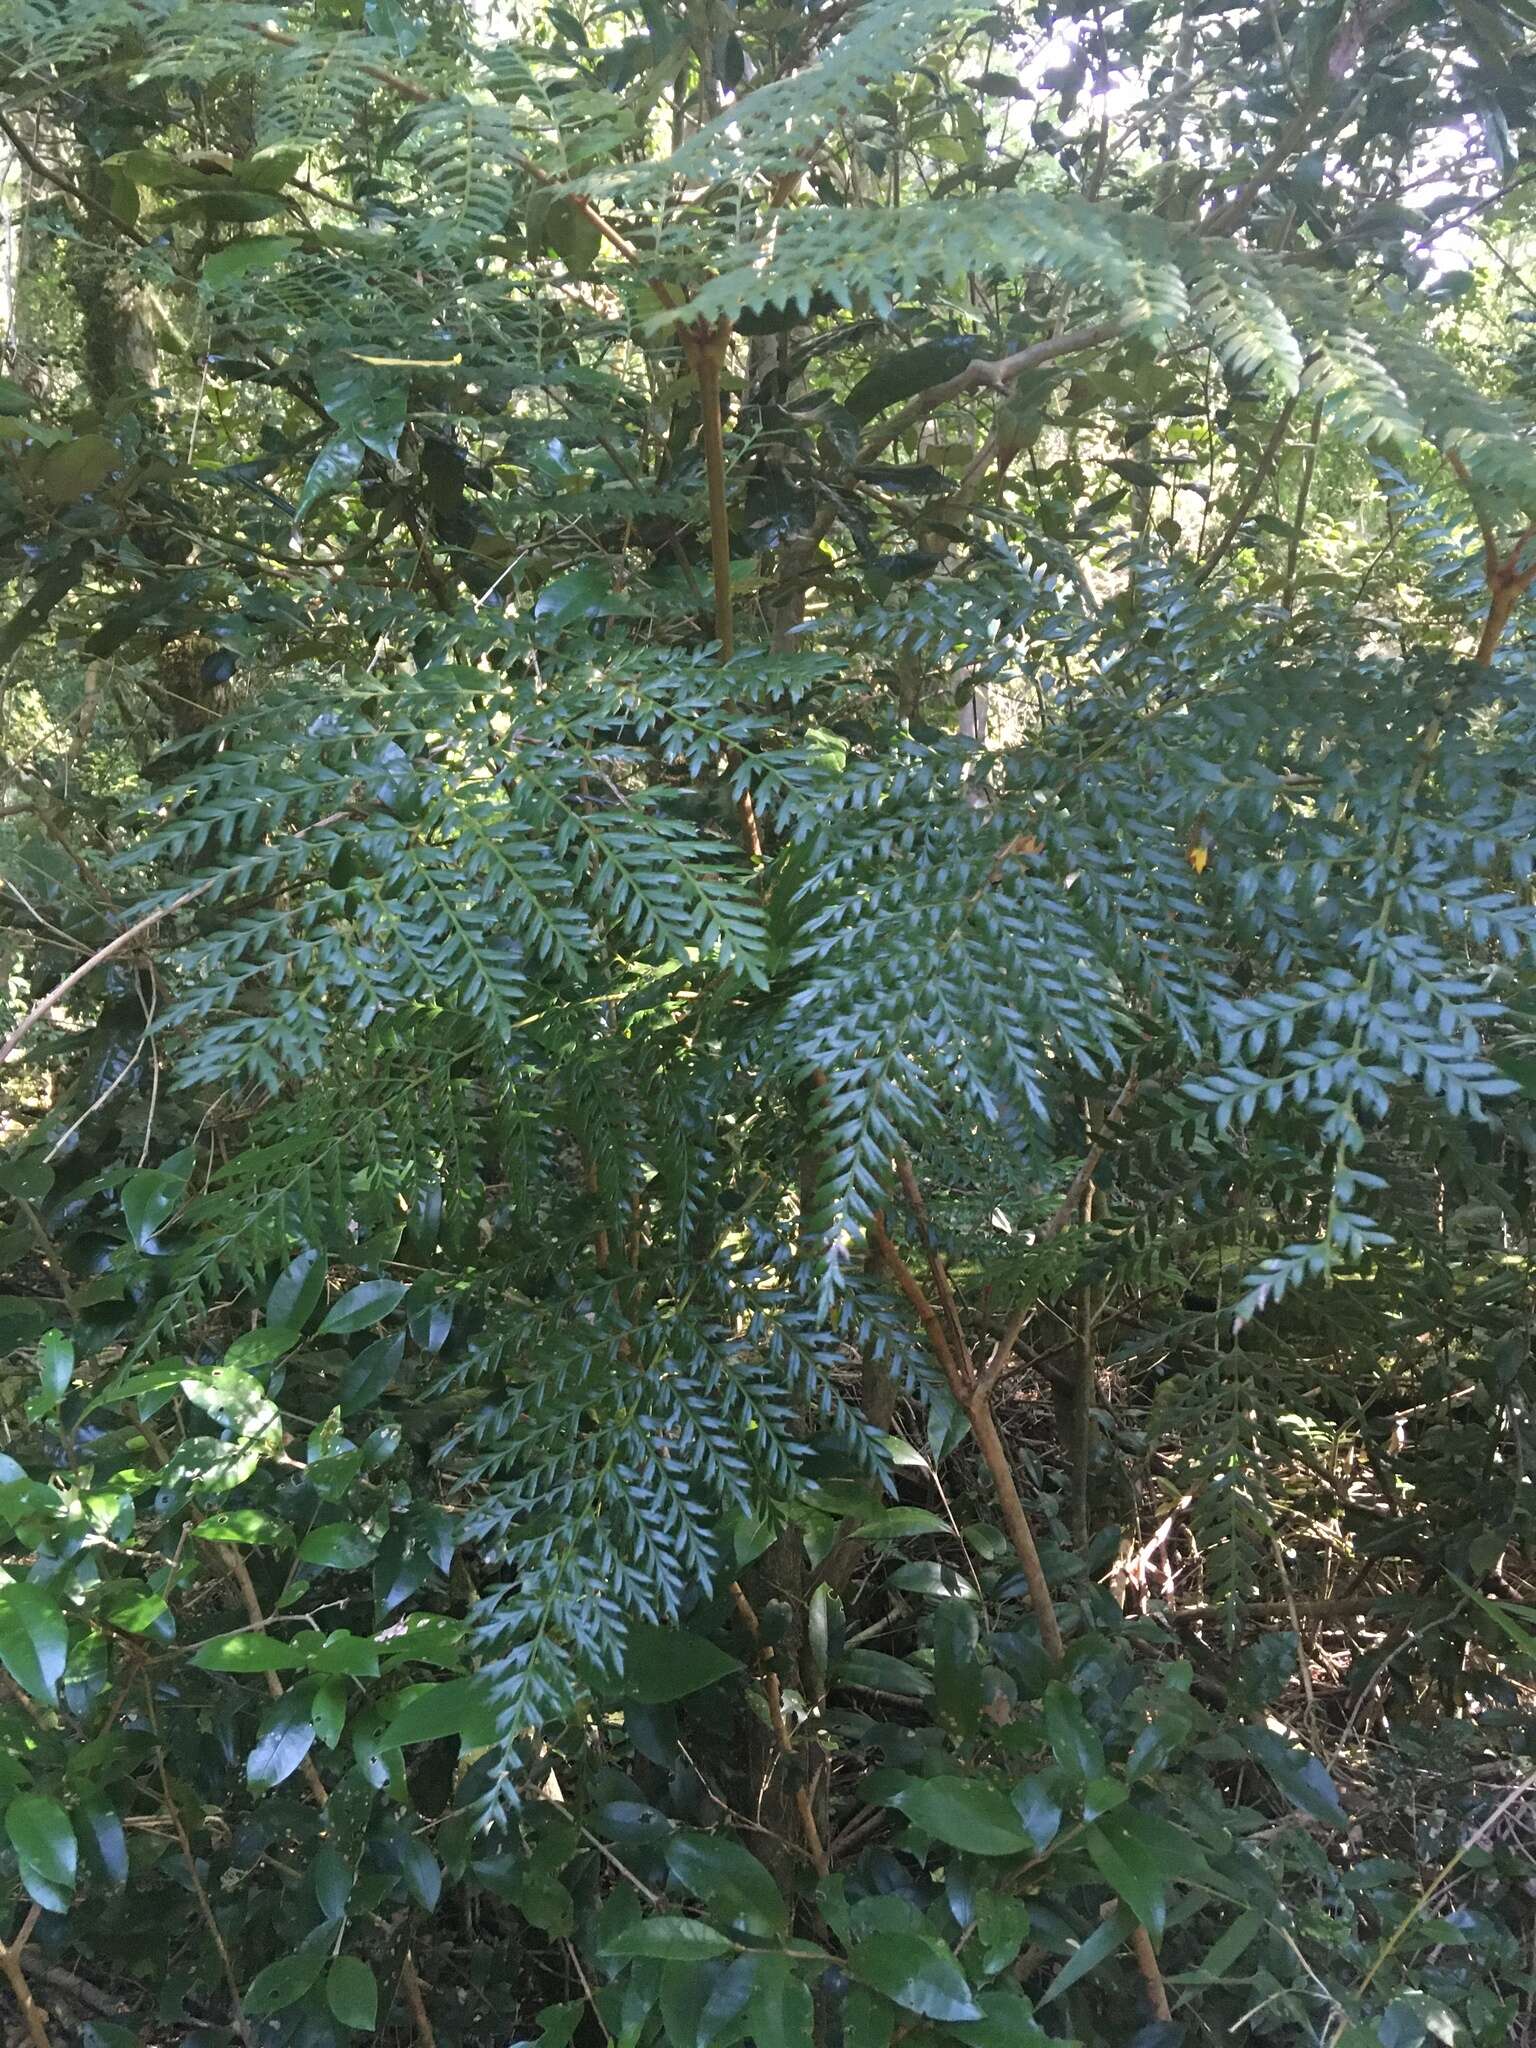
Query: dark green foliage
{"x": 541, "y": 1086}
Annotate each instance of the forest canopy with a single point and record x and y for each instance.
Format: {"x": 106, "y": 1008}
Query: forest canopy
{"x": 767, "y": 1036}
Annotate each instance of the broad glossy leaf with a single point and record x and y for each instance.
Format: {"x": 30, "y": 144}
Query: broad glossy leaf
{"x": 1002, "y": 1926}
{"x": 964, "y": 1813}
{"x": 328, "y": 1710}
{"x": 261, "y": 1347}
{"x": 880, "y": 1673}
{"x": 284, "y": 1982}
{"x": 231, "y": 266}
{"x": 55, "y": 1370}
{"x": 40, "y": 1832}
{"x": 1077, "y": 1746}
{"x": 368, "y": 404}
{"x": 581, "y": 594}
{"x": 457, "y": 1706}
{"x": 868, "y": 2020}
{"x": 691, "y": 1993}
{"x": 101, "y": 1833}
{"x": 249, "y": 1650}
{"x": 34, "y": 1640}
{"x": 362, "y": 1306}
{"x": 243, "y": 1525}
{"x": 1006, "y": 2022}
{"x": 285, "y": 1738}
{"x": 917, "y": 1973}
{"x": 662, "y": 1664}
{"x": 1301, "y": 1776}
{"x": 781, "y": 2010}
{"x": 338, "y": 1546}
{"x": 421, "y": 1871}
{"x": 297, "y": 1290}
{"x": 669, "y": 1938}
{"x": 149, "y": 1200}
{"x": 1038, "y": 1806}
{"x": 729, "y": 1881}
{"x": 1130, "y": 1870}
{"x": 338, "y": 464}
{"x": 958, "y": 1670}
{"x": 332, "y": 1876}
{"x": 352, "y": 1993}
{"x": 349, "y": 1655}
{"x": 1102, "y": 1943}
{"x": 76, "y": 467}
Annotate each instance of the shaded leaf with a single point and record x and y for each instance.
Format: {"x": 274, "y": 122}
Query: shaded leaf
{"x": 917, "y": 1973}
{"x": 46, "y": 1850}
{"x": 367, "y": 1303}
{"x": 352, "y": 1993}
{"x": 1296, "y": 1772}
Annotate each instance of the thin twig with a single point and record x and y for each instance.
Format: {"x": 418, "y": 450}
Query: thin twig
{"x": 1261, "y": 475}
{"x": 235, "y": 1564}
{"x": 935, "y": 1258}
{"x": 988, "y": 374}
{"x": 199, "y": 1891}
{"x": 775, "y": 1697}
{"x": 706, "y": 354}
{"x": 34, "y": 2016}
{"x": 1065, "y": 1212}
{"x": 62, "y": 184}
{"x": 50, "y": 1002}
{"x": 45, "y": 1004}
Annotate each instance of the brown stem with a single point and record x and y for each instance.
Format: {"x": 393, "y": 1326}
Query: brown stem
{"x": 1151, "y": 1975}
{"x": 991, "y": 375}
{"x": 1016, "y": 1523}
{"x": 1507, "y": 581}
{"x": 973, "y": 1399}
{"x": 1303, "y": 493}
{"x": 959, "y": 1385}
{"x": 60, "y": 183}
{"x": 33, "y": 2015}
{"x": 1501, "y": 605}
{"x": 48, "y": 1251}
{"x": 236, "y": 1565}
{"x": 1083, "y": 1389}
{"x": 935, "y": 1258}
{"x": 410, "y": 1984}
{"x": 706, "y": 351}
